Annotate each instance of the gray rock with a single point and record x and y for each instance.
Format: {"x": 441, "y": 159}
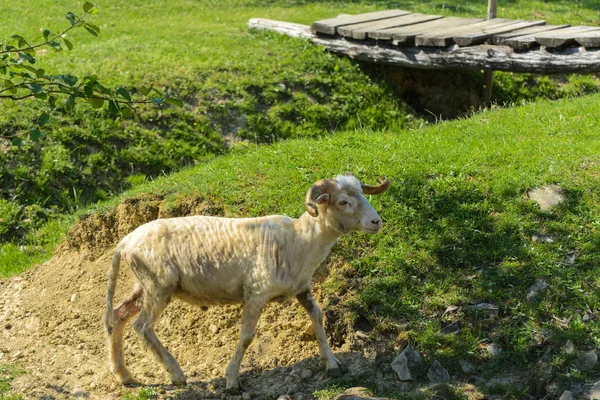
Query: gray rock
{"x": 594, "y": 392}
{"x": 587, "y": 361}
{"x": 246, "y": 396}
{"x": 466, "y": 366}
{"x": 566, "y": 395}
{"x": 452, "y": 328}
{"x": 542, "y": 237}
{"x": 306, "y": 374}
{"x": 569, "y": 347}
{"x": 488, "y": 308}
{"x": 536, "y": 289}
{"x": 407, "y": 363}
{"x": 437, "y": 373}
{"x": 494, "y": 350}
{"x": 358, "y": 393}
{"x": 547, "y": 196}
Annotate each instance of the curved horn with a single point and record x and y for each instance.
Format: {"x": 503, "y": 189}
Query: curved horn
{"x": 383, "y": 186}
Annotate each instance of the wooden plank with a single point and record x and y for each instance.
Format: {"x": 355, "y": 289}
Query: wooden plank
{"x": 562, "y": 37}
{"x": 589, "y": 40}
{"x": 471, "y": 38}
{"x": 362, "y": 31}
{"x": 443, "y": 38}
{"x": 524, "y": 42}
{"x": 329, "y": 26}
{"x": 501, "y": 58}
{"x": 405, "y": 35}
{"x": 497, "y": 38}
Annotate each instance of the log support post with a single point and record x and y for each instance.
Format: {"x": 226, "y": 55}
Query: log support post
{"x": 488, "y": 75}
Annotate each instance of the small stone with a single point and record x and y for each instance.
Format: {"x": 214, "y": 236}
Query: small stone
{"x": 406, "y": 363}
{"x": 494, "y": 349}
{"x": 18, "y": 354}
{"x": 466, "y": 366}
{"x": 594, "y": 392}
{"x": 213, "y": 328}
{"x": 80, "y": 346}
{"x": 306, "y": 374}
{"x": 285, "y": 397}
{"x": 547, "y": 196}
{"x": 566, "y": 395}
{"x": 569, "y": 347}
{"x": 246, "y": 396}
{"x": 357, "y": 391}
{"x": 7, "y": 326}
{"x": 542, "y": 237}
{"x": 586, "y": 361}
{"x": 1, "y": 355}
{"x": 450, "y": 309}
{"x": 361, "y": 335}
{"x": 452, "y": 328}
{"x": 73, "y": 297}
{"x": 309, "y": 334}
{"x": 437, "y": 373}
{"x": 68, "y": 372}
{"x": 536, "y": 289}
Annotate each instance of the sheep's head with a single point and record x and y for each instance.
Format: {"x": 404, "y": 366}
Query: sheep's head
{"x": 342, "y": 206}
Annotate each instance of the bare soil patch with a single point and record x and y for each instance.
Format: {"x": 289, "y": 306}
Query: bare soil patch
{"x": 51, "y": 323}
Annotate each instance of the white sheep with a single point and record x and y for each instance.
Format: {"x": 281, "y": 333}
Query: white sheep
{"x": 211, "y": 260}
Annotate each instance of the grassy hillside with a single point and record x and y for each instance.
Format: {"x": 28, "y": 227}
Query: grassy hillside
{"x": 236, "y": 86}
{"x": 458, "y": 231}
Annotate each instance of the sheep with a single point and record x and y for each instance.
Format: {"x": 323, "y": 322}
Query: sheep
{"x": 207, "y": 261}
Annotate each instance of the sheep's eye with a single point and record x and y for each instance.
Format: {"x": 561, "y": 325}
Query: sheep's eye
{"x": 343, "y": 203}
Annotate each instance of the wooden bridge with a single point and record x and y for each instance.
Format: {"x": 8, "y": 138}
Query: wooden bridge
{"x": 416, "y": 40}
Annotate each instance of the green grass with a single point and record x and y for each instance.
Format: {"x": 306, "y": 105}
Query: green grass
{"x": 457, "y": 229}
{"x": 8, "y": 372}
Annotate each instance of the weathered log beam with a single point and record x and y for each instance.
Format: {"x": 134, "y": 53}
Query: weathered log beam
{"x": 494, "y": 57}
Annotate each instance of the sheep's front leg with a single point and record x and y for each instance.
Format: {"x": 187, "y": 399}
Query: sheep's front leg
{"x": 250, "y": 314}
{"x": 333, "y": 365}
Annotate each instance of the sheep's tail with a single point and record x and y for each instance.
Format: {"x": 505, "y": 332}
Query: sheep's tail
{"x": 113, "y": 275}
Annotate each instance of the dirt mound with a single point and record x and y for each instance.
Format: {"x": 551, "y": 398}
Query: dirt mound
{"x": 51, "y": 322}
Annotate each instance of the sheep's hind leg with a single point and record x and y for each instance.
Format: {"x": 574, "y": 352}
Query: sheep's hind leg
{"x": 334, "y": 367}
{"x": 121, "y": 314}
{"x": 144, "y": 326}
{"x": 250, "y": 314}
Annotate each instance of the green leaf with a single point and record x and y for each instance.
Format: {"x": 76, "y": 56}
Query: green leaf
{"x": 35, "y": 88}
{"x": 88, "y": 89}
{"x": 27, "y": 57}
{"x": 71, "y": 18}
{"x": 144, "y": 90}
{"x": 174, "y": 102}
{"x": 87, "y": 6}
{"x": 93, "y": 29}
{"x": 157, "y": 101}
{"x": 52, "y": 101}
{"x": 16, "y": 141}
{"x": 40, "y": 72}
{"x": 124, "y": 93}
{"x": 113, "y": 108}
{"x": 101, "y": 89}
{"x": 55, "y": 45}
{"x": 69, "y": 79}
{"x": 36, "y": 134}
{"x": 43, "y": 119}
{"x": 46, "y": 34}
{"x": 126, "y": 112}
{"x": 95, "y": 102}
{"x": 68, "y": 44}
{"x": 70, "y": 103}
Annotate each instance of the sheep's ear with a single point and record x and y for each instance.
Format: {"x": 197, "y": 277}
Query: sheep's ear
{"x": 317, "y": 194}
{"x": 322, "y": 199}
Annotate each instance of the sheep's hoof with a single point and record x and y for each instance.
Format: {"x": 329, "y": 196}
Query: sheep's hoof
{"x": 234, "y": 388}
{"x": 343, "y": 367}
{"x": 179, "y": 381}
{"x": 334, "y": 372}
